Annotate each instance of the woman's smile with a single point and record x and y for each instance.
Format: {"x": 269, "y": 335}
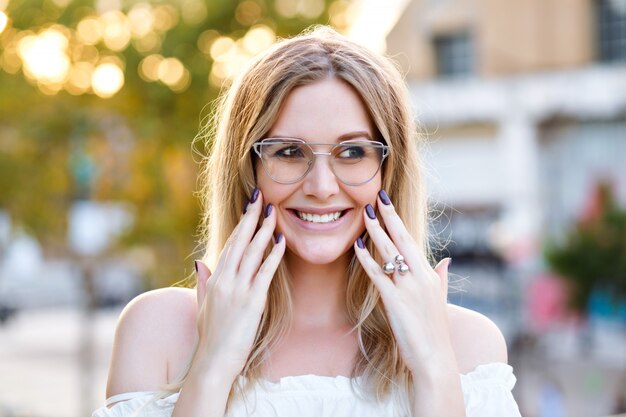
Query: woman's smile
{"x": 320, "y": 219}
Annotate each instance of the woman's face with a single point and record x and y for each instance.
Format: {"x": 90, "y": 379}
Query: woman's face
{"x": 326, "y": 111}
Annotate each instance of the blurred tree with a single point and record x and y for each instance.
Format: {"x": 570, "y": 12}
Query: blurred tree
{"x": 101, "y": 99}
{"x": 593, "y": 256}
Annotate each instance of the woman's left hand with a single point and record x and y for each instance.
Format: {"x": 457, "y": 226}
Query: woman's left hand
{"x": 415, "y": 301}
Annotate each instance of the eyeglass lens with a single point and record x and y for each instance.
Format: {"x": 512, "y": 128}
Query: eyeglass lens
{"x": 353, "y": 163}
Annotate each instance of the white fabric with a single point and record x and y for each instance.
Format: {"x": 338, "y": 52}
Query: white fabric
{"x": 486, "y": 391}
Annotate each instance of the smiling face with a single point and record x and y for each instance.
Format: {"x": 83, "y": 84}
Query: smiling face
{"x": 320, "y": 216}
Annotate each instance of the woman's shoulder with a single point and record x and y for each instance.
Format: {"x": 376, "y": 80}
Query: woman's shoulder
{"x": 163, "y": 310}
{"x": 154, "y": 333}
{"x": 476, "y": 339}
{"x": 163, "y": 300}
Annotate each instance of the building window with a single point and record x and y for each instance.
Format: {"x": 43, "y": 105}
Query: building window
{"x": 455, "y": 55}
{"x": 611, "y": 16}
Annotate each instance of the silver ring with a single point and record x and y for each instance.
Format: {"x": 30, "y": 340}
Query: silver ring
{"x": 403, "y": 268}
{"x": 399, "y": 259}
{"x": 388, "y": 268}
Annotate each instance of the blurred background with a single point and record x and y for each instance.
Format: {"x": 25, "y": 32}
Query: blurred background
{"x": 523, "y": 105}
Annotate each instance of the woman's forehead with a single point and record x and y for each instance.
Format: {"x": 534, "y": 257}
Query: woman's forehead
{"x": 327, "y": 110}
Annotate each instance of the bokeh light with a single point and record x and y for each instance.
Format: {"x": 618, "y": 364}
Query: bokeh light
{"x": 80, "y": 77}
{"x": 149, "y": 67}
{"x": 308, "y": 9}
{"x": 89, "y": 31}
{"x": 193, "y": 11}
{"x": 258, "y": 39}
{"x": 165, "y": 17}
{"x": 103, "y": 6}
{"x": 248, "y": 12}
{"x": 221, "y": 47}
{"x": 230, "y": 56}
{"x": 141, "y": 19}
{"x": 44, "y": 56}
{"x": 205, "y": 40}
{"x": 3, "y": 21}
{"x": 171, "y": 71}
{"x": 151, "y": 42}
{"x": 107, "y": 79}
{"x": 116, "y": 30}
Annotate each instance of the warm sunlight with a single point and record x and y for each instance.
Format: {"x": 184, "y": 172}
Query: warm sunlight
{"x": 45, "y": 56}
{"x": 107, "y": 79}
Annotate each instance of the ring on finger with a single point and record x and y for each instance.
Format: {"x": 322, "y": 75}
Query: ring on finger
{"x": 388, "y": 268}
{"x": 402, "y": 267}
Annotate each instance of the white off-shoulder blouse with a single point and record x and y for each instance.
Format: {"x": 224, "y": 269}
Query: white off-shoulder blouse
{"x": 486, "y": 391}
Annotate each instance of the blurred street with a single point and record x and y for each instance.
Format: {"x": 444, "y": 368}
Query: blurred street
{"x": 40, "y": 362}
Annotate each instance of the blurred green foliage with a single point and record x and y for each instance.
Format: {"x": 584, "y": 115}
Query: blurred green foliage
{"x": 593, "y": 256}
{"x": 135, "y": 146}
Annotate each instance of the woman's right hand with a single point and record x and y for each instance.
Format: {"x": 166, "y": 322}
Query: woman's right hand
{"x": 232, "y": 301}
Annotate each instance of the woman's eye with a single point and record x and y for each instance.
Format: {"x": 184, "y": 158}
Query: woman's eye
{"x": 290, "y": 152}
{"x": 352, "y": 152}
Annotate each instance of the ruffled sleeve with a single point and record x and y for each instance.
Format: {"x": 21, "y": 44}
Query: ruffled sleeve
{"x": 487, "y": 391}
{"x": 138, "y": 404}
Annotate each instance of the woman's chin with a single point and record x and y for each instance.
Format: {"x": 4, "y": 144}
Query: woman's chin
{"x": 318, "y": 253}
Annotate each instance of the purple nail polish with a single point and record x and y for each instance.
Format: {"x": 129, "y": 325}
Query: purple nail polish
{"x": 245, "y": 207}
{"x": 279, "y": 237}
{"x": 384, "y": 197}
{"x": 359, "y": 243}
{"x": 255, "y": 195}
{"x": 370, "y": 212}
{"x": 268, "y": 210}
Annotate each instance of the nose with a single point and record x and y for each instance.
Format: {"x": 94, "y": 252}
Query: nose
{"x": 321, "y": 182}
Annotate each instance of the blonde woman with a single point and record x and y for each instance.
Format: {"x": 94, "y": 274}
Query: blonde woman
{"x": 315, "y": 296}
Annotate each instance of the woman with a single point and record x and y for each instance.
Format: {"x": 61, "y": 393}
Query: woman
{"x": 319, "y": 299}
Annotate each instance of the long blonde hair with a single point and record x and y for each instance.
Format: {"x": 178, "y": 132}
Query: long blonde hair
{"x": 246, "y": 112}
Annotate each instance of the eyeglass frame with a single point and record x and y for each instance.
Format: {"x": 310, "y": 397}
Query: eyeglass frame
{"x": 385, "y": 148}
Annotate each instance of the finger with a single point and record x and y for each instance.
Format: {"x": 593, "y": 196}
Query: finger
{"x": 243, "y": 236}
{"x": 203, "y": 273}
{"x": 381, "y": 239}
{"x": 226, "y": 249}
{"x": 264, "y": 276}
{"x": 397, "y": 230}
{"x": 253, "y": 255}
{"x": 381, "y": 281}
{"x": 442, "y": 271}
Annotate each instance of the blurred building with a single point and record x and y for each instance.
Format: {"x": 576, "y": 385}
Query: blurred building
{"x": 524, "y": 105}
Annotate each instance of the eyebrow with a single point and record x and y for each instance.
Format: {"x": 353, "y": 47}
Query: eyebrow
{"x": 345, "y": 136}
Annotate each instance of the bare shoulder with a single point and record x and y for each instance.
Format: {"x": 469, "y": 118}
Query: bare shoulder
{"x": 475, "y": 338}
{"x": 154, "y": 331}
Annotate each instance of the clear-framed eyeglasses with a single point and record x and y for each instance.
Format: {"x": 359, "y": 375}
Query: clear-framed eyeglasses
{"x": 354, "y": 162}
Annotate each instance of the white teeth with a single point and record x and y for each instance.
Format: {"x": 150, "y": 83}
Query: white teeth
{"x": 316, "y": 218}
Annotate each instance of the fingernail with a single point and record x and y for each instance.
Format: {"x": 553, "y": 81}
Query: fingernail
{"x": 370, "y": 212}
{"x": 245, "y": 207}
{"x": 255, "y": 195}
{"x": 195, "y": 264}
{"x": 268, "y": 210}
{"x": 384, "y": 197}
{"x": 449, "y": 262}
{"x": 279, "y": 237}
{"x": 359, "y": 243}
